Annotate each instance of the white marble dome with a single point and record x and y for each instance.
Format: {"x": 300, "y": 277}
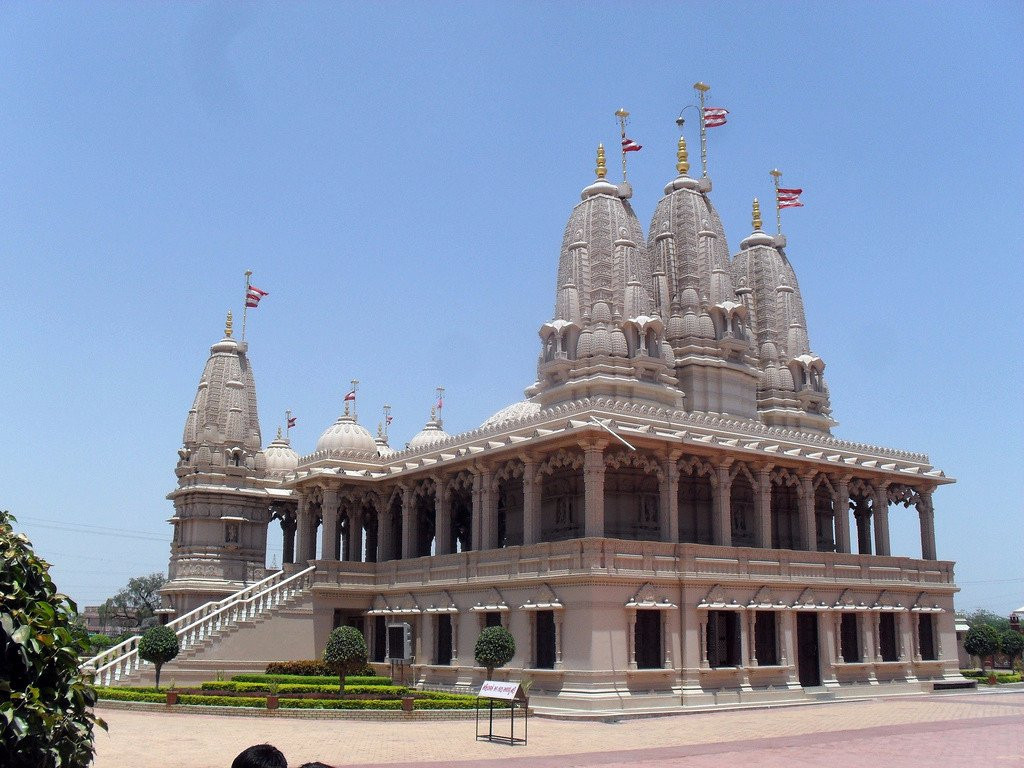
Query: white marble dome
{"x": 513, "y": 412}
{"x": 431, "y": 433}
{"x": 280, "y": 456}
{"x": 346, "y": 435}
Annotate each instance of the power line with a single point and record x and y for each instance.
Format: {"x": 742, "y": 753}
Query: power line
{"x": 96, "y": 530}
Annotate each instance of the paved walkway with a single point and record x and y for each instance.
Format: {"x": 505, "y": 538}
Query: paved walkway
{"x": 951, "y": 729}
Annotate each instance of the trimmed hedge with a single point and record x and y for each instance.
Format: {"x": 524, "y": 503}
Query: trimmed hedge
{"x": 130, "y": 694}
{"x": 1001, "y": 677}
{"x": 340, "y": 704}
{"x": 223, "y": 701}
{"x": 309, "y": 668}
{"x": 376, "y": 690}
{"x": 311, "y": 679}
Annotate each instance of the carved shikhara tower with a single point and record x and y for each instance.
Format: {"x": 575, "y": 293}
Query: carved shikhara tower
{"x": 665, "y": 521}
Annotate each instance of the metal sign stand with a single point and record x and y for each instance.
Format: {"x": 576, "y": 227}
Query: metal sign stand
{"x": 514, "y": 695}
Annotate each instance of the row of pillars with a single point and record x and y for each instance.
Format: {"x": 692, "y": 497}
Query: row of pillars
{"x": 871, "y": 513}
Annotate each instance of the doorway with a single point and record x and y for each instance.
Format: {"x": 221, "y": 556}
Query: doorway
{"x": 808, "y": 666}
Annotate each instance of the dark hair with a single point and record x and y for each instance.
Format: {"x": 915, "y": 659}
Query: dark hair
{"x": 315, "y": 764}
{"x": 260, "y": 756}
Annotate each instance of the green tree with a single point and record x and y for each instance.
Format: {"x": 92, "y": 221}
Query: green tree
{"x": 345, "y": 653}
{"x": 494, "y": 648}
{"x": 45, "y": 720}
{"x": 1011, "y": 643}
{"x": 135, "y": 604}
{"x": 982, "y": 641}
{"x": 981, "y": 616}
{"x": 158, "y": 645}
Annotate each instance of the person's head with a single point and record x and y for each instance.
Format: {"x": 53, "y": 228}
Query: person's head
{"x": 260, "y": 756}
{"x": 315, "y": 764}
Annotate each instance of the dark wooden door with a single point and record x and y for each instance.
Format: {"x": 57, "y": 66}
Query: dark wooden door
{"x": 807, "y": 649}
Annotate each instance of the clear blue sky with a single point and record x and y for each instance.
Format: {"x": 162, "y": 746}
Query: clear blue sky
{"x": 398, "y": 176}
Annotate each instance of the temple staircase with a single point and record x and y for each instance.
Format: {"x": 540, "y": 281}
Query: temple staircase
{"x": 202, "y": 629}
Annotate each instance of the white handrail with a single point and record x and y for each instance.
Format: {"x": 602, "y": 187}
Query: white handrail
{"x": 244, "y": 604}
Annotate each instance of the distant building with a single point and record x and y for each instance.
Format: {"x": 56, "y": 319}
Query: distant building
{"x": 665, "y": 520}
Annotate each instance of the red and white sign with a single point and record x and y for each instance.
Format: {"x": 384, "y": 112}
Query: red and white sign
{"x": 492, "y": 689}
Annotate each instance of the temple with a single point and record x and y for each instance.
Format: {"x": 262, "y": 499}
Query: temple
{"x": 664, "y": 521}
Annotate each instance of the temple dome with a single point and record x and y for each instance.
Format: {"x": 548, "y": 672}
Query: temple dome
{"x": 432, "y": 432}
{"x": 280, "y": 456}
{"x": 346, "y": 435}
{"x": 513, "y": 412}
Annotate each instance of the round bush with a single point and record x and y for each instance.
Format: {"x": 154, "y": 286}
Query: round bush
{"x": 345, "y": 653}
{"x": 494, "y": 648}
{"x": 158, "y": 645}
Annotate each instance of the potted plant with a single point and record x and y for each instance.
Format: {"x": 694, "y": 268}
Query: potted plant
{"x": 272, "y": 699}
{"x": 407, "y": 703}
{"x": 172, "y": 693}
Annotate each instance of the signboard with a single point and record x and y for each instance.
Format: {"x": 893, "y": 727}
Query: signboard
{"x": 492, "y": 689}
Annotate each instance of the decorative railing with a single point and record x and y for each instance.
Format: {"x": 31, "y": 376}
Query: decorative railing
{"x": 647, "y": 559}
{"x": 195, "y": 626}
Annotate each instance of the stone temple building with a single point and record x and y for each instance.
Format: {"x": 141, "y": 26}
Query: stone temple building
{"x": 665, "y": 521}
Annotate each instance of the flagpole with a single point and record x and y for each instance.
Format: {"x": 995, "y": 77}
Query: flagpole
{"x": 355, "y": 387}
{"x": 387, "y": 418}
{"x": 245, "y": 303}
{"x": 622, "y": 114}
{"x": 701, "y": 89}
{"x": 440, "y": 400}
{"x": 288, "y": 424}
{"x": 776, "y": 173}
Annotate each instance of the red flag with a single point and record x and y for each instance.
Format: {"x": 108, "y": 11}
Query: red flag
{"x": 628, "y": 145}
{"x": 291, "y": 422}
{"x": 351, "y": 395}
{"x": 388, "y": 421}
{"x": 253, "y": 296}
{"x": 440, "y": 403}
{"x": 789, "y": 198}
{"x": 714, "y": 116}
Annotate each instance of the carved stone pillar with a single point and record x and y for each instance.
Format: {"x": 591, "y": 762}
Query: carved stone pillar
{"x": 789, "y": 644}
{"x": 329, "y": 537}
{"x": 442, "y": 517}
{"x": 531, "y": 503}
{"x": 488, "y": 510}
{"x": 385, "y": 544}
{"x": 668, "y": 510}
{"x": 558, "y": 639}
{"x": 721, "y": 525}
{"x": 862, "y": 515}
{"x": 355, "y": 535}
{"x": 808, "y": 529}
{"x": 593, "y": 484}
{"x": 841, "y": 514}
{"x": 408, "y": 523}
{"x": 454, "y": 617}
{"x": 287, "y": 537}
{"x": 881, "y": 515}
{"x": 763, "y": 508}
{"x": 631, "y": 638}
{"x": 476, "y": 512}
{"x": 746, "y": 622}
{"x": 303, "y": 515}
{"x": 926, "y": 513}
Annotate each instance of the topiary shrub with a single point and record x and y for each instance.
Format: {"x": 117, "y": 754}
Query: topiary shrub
{"x": 494, "y": 648}
{"x": 45, "y": 720}
{"x": 345, "y": 653}
{"x": 158, "y": 645}
{"x": 1011, "y": 643}
{"x": 309, "y": 667}
{"x": 982, "y": 641}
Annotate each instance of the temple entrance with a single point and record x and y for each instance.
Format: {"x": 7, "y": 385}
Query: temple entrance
{"x": 807, "y": 649}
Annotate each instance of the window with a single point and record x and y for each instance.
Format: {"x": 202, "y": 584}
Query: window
{"x": 723, "y": 638}
{"x": 444, "y": 639}
{"x": 849, "y": 638}
{"x": 492, "y": 619}
{"x": 647, "y": 639}
{"x": 380, "y": 638}
{"x": 887, "y": 637}
{"x": 765, "y": 644}
{"x": 926, "y": 636}
{"x": 544, "y": 640}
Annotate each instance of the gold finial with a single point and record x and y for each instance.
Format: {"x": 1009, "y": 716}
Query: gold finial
{"x": 227, "y": 326}
{"x": 702, "y": 87}
{"x": 278, "y": 431}
{"x": 681, "y": 155}
{"x": 601, "y": 169}
{"x": 757, "y": 215}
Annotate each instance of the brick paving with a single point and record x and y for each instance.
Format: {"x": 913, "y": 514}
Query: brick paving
{"x": 954, "y": 729}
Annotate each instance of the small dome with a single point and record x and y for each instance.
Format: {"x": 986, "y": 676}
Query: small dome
{"x": 690, "y": 325}
{"x": 786, "y": 379}
{"x": 667, "y": 354}
{"x": 602, "y": 342}
{"x": 585, "y": 343}
{"x": 619, "y": 346}
{"x": 674, "y": 329}
{"x": 279, "y": 455}
{"x": 601, "y": 313}
{"x": 705, "y": 326}
{"x": 431, "y": 433}
{"x": 346, "y": 435}
{"x": 688, "y": 298}
{"x": 519, "y": 410}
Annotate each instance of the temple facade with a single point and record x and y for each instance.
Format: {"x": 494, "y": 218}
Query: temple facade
{"x": 665, "y": 520}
